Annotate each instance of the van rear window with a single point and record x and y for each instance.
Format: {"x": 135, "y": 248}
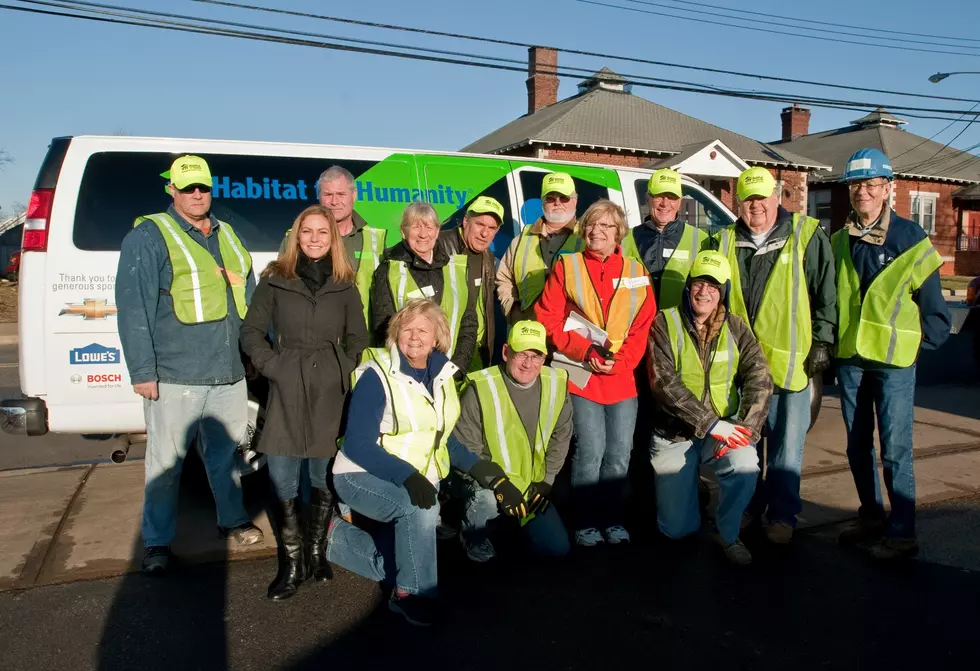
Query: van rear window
{"x": 259, "y": 196}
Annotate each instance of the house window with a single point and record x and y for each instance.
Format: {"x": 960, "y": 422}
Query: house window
{"x": 924, "y": 210}
{"x": 819, "y": 207}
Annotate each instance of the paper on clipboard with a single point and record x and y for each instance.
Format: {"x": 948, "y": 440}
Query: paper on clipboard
{"x": 579, "y": 372}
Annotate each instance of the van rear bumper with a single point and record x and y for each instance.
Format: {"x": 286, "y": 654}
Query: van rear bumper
{"x": 24, "y": 416}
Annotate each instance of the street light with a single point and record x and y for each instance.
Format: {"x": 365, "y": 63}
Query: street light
{"x": 939, "y": 76}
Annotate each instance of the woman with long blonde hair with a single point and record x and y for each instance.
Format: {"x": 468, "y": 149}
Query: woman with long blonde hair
{"x": 308, "y": 298}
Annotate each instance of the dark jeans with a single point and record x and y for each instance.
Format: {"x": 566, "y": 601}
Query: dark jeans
{"x": 890, "y": 395}
{"x": 285, "y": 474}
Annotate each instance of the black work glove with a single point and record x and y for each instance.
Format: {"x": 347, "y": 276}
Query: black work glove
{"x": 421, "y": 492}
{"x": 818, "y": 360}
{"x": 485, "y": 472}
{"x": 509, "y": 497}
{"x": 537, "y": 496}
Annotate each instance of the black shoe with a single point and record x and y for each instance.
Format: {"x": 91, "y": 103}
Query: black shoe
{"x": 864, "y": 533}
{"x": 293, "y": 568}
{"x": 156, "y": 559}
{"x": 321, "y": 509}
{"x": 417, "y": 610}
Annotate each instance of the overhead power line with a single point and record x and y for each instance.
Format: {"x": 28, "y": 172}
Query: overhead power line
{"x": 774, "y": 32}
{"x": 638, "y": 80}
{"x": 577, "y": 52}
{"x": 935, "y": 135}
{"x": 836, "y": 24}
{"x": 738, "y": 15}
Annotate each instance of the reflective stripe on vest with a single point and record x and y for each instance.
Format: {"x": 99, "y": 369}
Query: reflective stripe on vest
{"x": 721, "y": 373}
{"x": 481, "y": 331}
{"x": 455, "y": 292}
{"x": 416, "y": 425}
{"x": 627, "y": 299}
{"x": 783, "y": 324}
{"x": 372, "y": 249}
{"x": 678, "y": 267}
{"x": 199, "y": 287}
{"x": 530, "y": 271}
{"x": 509, "y": 443}
{"x": 884, "y": 326}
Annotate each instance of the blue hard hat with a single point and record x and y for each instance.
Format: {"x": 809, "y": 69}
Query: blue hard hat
{"x": 866, "y": 164}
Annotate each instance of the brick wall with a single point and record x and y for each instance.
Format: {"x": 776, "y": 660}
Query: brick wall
{"x": 793, "y": 197}
{"x": 947, "y": 217}
{"x": 621, "y": 159}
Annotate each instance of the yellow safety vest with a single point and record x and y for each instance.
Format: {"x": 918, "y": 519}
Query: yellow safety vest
{"x": 628, "y": 297}
{"x": 530, "y": 271}
{"x": 481, "y": 331}
{"x": 783, "y": 324}
{"x": 510, "y": 446}
{"x": 455, "y": 293}
{"x": 721, "y": 373}
{"x": 678, "y": 267}
{"x": 416, "y": 425}
{"x": 199, "y": 287}
{"x": 884, "y": 325}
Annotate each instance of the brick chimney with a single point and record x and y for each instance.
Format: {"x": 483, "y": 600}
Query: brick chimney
{"x": 542, "y": 78}
{"x": 796, "y": 122}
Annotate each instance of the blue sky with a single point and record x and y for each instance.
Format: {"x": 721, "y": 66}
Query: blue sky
{"x": 69, "y": 77}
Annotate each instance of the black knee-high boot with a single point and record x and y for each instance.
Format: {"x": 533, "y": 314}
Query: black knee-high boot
{"x": 321, "y": 508}
{"x": 293, "y": 566}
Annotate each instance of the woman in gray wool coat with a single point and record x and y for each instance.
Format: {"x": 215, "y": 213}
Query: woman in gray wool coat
{"x": 308, "y": 298}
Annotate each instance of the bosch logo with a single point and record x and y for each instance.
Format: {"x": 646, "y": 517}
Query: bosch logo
{"x": 112, "y": 377}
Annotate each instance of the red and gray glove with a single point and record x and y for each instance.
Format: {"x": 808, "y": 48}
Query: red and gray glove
{"x": 729, "y": 436}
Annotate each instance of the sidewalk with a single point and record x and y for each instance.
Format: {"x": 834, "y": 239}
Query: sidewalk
{"x": 82, "y": 522}
{"x": 8, "y": 333}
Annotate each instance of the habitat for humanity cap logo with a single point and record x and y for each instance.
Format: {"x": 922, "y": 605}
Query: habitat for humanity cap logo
{"x": 93, "y": 354}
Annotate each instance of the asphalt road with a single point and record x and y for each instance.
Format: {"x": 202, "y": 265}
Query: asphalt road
{"x": 653, "y": 605}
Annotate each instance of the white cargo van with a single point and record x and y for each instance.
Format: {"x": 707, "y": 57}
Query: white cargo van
{"x": 90, "y": 189}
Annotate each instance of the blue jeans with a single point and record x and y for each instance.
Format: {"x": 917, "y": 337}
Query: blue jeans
{"x": 285, "y": 474}
{"x": 408, "y": 560}
{"x": 603, "y": 441}
{"x": 217, "y": 416}
{"x": 778, "y": 495}
{"x": 889, "y": 394}
{"x": 675, "y": 466}
{"x": 545, "y": 533}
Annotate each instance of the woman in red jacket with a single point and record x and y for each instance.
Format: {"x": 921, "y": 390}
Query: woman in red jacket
{"x": 614, "y": 293}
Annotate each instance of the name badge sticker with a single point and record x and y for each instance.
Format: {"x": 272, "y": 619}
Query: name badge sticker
{"x": 721, "y": 356}
{"x": 637, "y": 282}
{"x": 478, "y": 281}
{"x": 680, "y": 254}
{"x": 428, "y": 291}
{"x": 667, "y": 253}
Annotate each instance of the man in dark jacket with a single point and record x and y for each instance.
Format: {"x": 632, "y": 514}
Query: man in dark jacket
{"x": 417, "y": 268}
{"x": 890, "y": 305}
{"x": 783, "y": 286}
{"x": 480, "y": 224}
{"x": 182, "y": 286}
{"x": 713, "y": 387}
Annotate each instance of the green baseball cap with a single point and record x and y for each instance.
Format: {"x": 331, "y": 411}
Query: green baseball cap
{"x": 757, "y": 182}
{"x": 188, "y": 170}
{"x": 487, "y": 205}
{"x": 526, "y": 335}
{"x": 557, "y": 182}
{"x": 665, "y": 180}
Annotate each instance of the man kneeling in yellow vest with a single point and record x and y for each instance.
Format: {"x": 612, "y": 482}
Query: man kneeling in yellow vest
{"x": 517, "y": 418}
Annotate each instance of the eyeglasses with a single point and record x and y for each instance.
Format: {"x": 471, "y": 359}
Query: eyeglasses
{"x": 191, "y": 188}
{"x": 601, "y": 227}
{"x": 529, "y": 356}
{"x": 870, "y": 187}
{"x": 557, "y": 198}
{"x": 702, "y": 285}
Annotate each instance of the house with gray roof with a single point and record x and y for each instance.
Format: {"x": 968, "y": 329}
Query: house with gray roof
{"x": 605, "y": 122}
{"x": 935, "y": 185}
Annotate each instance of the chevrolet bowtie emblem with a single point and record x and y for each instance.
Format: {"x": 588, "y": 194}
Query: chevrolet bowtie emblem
{"x": 90, "y": 308}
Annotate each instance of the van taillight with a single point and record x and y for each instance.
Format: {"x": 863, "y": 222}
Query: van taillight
{"x": 36, "y": 224}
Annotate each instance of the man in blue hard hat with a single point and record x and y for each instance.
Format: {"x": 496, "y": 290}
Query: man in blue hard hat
{"x": 890, "y": 305}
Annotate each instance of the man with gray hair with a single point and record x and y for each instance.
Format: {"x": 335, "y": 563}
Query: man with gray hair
{"x": 365, "y": 244}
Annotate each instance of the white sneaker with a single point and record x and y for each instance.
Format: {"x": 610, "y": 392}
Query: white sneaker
{"x": 588, "y": 537}
{"x": 616, "y": 535}
{"x": 481, "y": 552}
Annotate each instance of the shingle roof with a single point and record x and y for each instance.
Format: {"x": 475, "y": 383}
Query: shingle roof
{"x": 619, "y": 120}
{"x": 910, "y": 154}
{"x": 971, "y": 192}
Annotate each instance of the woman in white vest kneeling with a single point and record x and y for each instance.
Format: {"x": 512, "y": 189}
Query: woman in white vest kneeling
{"x": 396, "y": 451}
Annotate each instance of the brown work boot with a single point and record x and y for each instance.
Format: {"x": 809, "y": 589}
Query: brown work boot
{"x": 894, "y": 548}
{"x": 779, "y": 533}
{"x": 864, "y": 533}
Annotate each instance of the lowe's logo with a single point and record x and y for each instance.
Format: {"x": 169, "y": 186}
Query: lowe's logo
{"x": 93, "y": 353}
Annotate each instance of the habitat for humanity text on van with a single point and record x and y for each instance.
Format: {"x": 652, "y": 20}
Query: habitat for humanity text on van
{"x": 268, "y": 188}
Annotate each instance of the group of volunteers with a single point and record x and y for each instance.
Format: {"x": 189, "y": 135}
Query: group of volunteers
{"x": 385, "y": 395}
